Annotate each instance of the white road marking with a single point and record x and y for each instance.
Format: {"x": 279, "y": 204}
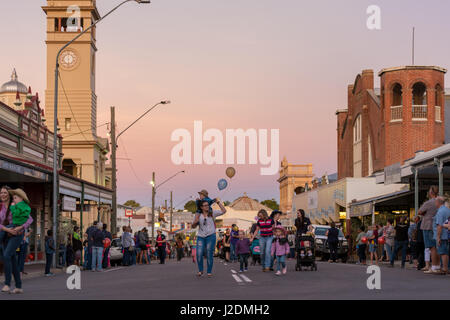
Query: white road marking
{"x": 245, "y": 278}
{"x": 114, "y": 269}
{"x": 232, "y": 270}
{"x": 238, "y": 280}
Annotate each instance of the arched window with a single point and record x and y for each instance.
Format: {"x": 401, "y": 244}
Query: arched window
{"x": 357, "y": 147}
{"x": 419, "y": 101}
{"x": 438, "y": 103}
{"x": 397, "y": 103}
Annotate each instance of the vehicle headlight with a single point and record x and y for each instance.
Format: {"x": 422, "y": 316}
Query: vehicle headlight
{"x": 319, "y": 241}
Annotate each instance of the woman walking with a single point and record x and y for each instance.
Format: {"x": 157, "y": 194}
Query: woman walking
{"x": 161, "y": 243}
{"x": 227, "y": 244}
{"x": 264, "y": 226}
{"x": 206, "y": 236}
{"x": 14, "y": 238}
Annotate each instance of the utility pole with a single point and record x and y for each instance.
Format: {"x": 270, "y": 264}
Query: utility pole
{"x": 114, "y": 172}
{"x": 171, "y": 213}
{"x": 153, "y": 206}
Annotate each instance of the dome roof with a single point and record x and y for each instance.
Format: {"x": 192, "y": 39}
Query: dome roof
{"x": 13, "y": 85}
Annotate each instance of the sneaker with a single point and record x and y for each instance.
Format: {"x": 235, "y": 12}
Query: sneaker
{"x": 284, "y": 270}
{"x": 6, "y": 289}
{"x": 17, "y": 291}
{"x": 429, "y": 271}
{"x": 278, "y": 273}
{"x": 240, "y": 271}
{"x": 49, "y": 274}
{"x": 245, "y": 270}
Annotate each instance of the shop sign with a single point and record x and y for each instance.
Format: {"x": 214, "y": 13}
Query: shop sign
{"x": 313, "y": 199}
{"x": 22, "y": 170}
{"x": 359, "y": 210}
{"x": 393, "y": 174}
{"x": 69, "y": 204}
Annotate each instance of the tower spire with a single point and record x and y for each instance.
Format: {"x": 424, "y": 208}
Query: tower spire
{"x": 14, "y": 75}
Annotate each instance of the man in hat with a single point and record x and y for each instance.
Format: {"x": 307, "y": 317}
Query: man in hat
{"x": 203, "y": 196}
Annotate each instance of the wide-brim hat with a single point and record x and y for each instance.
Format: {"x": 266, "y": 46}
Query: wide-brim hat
{"x": 203, "y": 192}
{"x": 20, "y": 193}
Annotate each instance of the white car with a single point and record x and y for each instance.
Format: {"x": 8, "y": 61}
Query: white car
{"x": 321, "y": 243}
{"x": 115, "y": 252}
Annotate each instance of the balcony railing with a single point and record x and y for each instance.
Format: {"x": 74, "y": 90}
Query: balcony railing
{"x": 396, "y": 113}
{"x": 419, "y": 112}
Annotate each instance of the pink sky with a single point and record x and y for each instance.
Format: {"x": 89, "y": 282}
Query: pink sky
{"x": 232, "y": 64}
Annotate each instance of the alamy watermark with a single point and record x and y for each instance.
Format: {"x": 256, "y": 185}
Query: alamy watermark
{"x": 74, "y": 280}
{"x": 374, "y": 280}
{"x": 215, "y": 153}
{"x": 374, "y": 19}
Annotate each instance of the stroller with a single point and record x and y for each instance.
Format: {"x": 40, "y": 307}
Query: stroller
{"x": 306, "y": 256}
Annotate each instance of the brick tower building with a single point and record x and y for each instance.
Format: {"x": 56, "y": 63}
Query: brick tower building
{"x": 385, "y": 126}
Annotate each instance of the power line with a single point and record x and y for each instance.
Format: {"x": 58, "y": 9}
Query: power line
{"x": 77, "y": 133}
{"x": 70, "y": 107}
{"x": 131, "y": 166}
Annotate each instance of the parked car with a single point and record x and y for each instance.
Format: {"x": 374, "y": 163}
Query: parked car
{"x": 321, "y": 243}
{"x": 115, "y": 252}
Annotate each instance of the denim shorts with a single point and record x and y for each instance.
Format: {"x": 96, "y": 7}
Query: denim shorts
{"x": 443, "y": 248}
{"x": 428, "y": 239}
{"x": 372, "y": 247}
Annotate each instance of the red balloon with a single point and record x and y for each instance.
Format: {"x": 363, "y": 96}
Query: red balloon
{"x": 364, "y": 239}
{"x": 107, "y": 243}
{"x": 381, "y": 240}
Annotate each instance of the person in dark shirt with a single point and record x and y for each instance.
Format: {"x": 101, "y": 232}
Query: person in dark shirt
{"x": 108, "y": 235}
{"x": 302, "y": 223}
{"x": 333, "y": 240}
{"x": 97, "y": 238}
{"x": 400, "y": 240}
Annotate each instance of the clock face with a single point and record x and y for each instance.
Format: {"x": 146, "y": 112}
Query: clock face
{"x": 68, "y": 59}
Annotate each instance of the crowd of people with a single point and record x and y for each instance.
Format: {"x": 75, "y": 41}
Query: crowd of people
{"x": 423, "y": 242}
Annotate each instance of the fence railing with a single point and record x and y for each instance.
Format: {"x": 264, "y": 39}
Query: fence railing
{"x": 396, "y": 113}
{"x": 419, "y": 112}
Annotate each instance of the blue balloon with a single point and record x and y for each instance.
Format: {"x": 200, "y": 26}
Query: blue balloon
{"x": 222, "y": 184}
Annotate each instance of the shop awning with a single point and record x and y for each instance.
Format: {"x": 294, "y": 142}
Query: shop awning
{"x": 365, "y": 207}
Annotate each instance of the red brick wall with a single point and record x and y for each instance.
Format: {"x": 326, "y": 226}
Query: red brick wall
{"x": 391, "y": 141}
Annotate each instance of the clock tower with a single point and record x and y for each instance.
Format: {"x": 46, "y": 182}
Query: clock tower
{"x": 84, "y": 152}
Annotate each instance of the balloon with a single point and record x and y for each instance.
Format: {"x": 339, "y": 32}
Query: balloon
{"x": 222, "y": 184}
{"x": 364, "y": 239}
{"x": 230, "y": 172}
{"x": 107, "y": 243}
{"x": 381, "y": 240}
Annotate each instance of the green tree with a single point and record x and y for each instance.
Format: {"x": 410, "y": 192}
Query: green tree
{"x": 272, "y": 204}
{"x": 191, "y": 206}
{"x": 132, "y": 203}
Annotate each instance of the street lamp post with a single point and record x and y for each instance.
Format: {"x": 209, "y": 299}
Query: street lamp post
{"x": 114, "y": 139}
{"x": 154, "y": 187}
{"x": 55, "y": 120}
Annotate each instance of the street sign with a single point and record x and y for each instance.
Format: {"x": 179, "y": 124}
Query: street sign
{"x": 128, "y": 213}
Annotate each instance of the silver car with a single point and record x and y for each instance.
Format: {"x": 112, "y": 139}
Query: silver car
{"x": 115, "y": 252}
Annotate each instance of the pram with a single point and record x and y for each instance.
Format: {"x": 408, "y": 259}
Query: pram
{"x": 306, "y": 256}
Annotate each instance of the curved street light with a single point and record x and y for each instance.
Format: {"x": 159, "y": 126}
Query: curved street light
{"x": 55, "y": 117}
